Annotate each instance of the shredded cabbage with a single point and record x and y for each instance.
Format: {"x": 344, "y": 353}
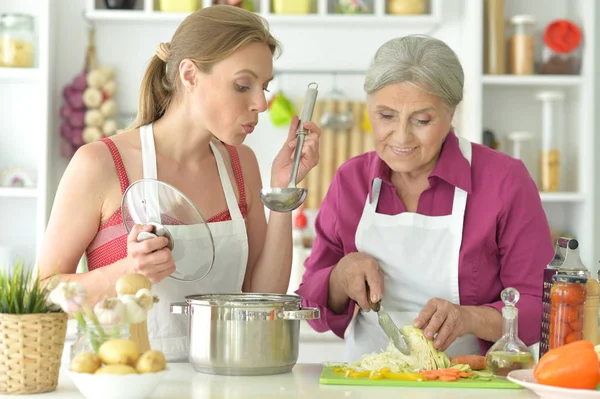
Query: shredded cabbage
{"x": 423, "y": 356}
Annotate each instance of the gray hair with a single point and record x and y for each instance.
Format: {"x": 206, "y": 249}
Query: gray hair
{"x": 423, "y": 61}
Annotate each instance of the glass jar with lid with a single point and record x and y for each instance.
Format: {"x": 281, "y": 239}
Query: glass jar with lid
{"x": 561, "y": 54}
{"x": 522, "y": 45}
{"x": 406, "y": 7}
{"x": 16, "y": 40}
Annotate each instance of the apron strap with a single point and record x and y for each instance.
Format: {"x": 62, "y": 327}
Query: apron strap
{"x": 148, "y": 152}
{"x": 460, "y": 196}
{"x": 149, "y": 172}
{"x": 234, "y": 209}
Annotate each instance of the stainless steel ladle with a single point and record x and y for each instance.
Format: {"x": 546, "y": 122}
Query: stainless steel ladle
{"x": 288, "y": 198}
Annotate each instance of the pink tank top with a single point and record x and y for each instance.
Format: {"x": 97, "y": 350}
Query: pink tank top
{"x": 110, "y": 243}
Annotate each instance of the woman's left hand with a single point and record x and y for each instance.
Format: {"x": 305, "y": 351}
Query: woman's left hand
{"x": 448, "y": 320}
{"x": 282, "y": 165}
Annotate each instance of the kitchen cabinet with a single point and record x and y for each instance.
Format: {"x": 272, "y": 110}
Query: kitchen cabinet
{"x": 505, "y": 103}
{"x": 25, "y": 134}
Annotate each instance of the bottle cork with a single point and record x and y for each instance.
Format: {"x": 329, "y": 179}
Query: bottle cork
{"x": 590, "y": 312}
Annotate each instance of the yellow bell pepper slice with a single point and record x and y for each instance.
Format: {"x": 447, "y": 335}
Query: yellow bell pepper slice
{"x": 403, "y": 376}
{"x": 359, "y": 374}
{"x": 376, "y": 376}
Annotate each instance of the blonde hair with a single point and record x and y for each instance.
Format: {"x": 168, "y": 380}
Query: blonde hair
{"x": 206, "y": 36}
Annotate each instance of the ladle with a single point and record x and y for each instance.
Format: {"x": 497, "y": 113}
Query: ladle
{"x": 288, "y": 198}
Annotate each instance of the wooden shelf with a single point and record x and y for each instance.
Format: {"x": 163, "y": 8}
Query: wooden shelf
{"x": 562, "y": 197}
{"x": 311, "y": 19}
{"x": 19, "y": 74}
{"x": 533, "y": 80}
{"x": 18, "y": 192}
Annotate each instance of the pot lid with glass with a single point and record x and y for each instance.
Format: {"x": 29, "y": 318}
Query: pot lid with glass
{"x": 174, "y": 216}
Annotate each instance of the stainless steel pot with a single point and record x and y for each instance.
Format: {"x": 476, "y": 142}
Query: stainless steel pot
{"x": 243, "y": 334}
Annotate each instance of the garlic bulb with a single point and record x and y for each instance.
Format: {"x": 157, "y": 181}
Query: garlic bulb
{"x": 135, "y": 312}
{"x": 145, "y": 298}
{"x": 110, "y": 312}
{"x": 70, "y": 296}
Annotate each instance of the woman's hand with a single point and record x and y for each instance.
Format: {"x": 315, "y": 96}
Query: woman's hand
{"x": 448, "y": 320}
{"x": 282, "y": 165}
{"x": 350, "y": 277}
{"x": 151, "y": 258}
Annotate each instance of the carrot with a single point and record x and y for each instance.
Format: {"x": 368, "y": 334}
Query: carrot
{"x": 476, "y": 362}
{"x": 448, "y": 378}
{"x": 465, "y": 375}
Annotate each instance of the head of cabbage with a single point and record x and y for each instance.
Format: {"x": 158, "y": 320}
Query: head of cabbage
{"x": 426, "y": 357}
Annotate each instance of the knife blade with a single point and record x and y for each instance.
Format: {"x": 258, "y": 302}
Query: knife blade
{"x": 388, "y": 326}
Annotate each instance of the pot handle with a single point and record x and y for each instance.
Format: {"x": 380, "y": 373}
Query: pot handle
{"x": 301, "y": 314}
{"x": 179, "y": 308}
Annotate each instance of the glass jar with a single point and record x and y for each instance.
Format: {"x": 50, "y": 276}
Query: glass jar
{"x": 567, "y": 298}
{"x": 520, "y": 143}
{"x": 521, "y": 45}
{"x": 551, "y": 157}
{"x": 87, "y": 339}
{"x": 406, "y": 7}
{"x": 16, "y": 41}
{"x": 561, "y": 54}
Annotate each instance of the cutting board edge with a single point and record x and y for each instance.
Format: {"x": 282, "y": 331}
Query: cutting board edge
{"x": 340, "y": 381}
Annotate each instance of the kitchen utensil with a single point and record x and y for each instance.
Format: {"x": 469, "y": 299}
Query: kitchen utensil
{"x": 330, "y": 377}
{"x": 509, "y": 352}
{"x": 243, "y": 334}
{"x": 289, "y": 198}
{"x": 156, "y": 203}
{"x": 388, "y": 326}
{"x": 526, "y": 379}
{"x": 566, "y": 263}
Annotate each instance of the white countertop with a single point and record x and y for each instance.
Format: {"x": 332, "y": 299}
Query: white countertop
{"x": 183, "y": 382}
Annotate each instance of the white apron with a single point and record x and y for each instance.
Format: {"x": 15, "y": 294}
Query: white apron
{"x": 168, "y": 332}
{"x": 418, "y": 255}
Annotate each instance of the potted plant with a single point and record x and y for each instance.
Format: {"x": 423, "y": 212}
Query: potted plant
{"x": 32, "y": 334}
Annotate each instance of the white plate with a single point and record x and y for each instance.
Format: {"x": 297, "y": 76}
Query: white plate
{"x": 525, "y": 379}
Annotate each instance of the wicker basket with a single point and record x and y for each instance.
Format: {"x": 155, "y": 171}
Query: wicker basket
{"x": 31, "y": 347}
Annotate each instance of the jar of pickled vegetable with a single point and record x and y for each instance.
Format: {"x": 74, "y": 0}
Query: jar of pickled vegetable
{"x": 16, "y": 41}
{"x": 567, "y": 298}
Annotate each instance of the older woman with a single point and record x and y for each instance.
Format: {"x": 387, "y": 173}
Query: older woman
{"x": 436, "y": 226}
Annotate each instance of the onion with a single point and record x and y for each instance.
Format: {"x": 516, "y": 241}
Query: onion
{"x": 65, "y": 111}
{"x": 80, "y": 82}
{"x": 77, "y": 119}
{"x": 75, "y": 99}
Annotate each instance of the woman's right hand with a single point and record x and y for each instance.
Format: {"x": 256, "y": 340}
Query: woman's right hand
{"x": 349, "y": 279}
{"x": 151, "y": 258}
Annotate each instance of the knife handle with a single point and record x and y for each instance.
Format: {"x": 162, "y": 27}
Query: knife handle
{"x": 374, "y": 306}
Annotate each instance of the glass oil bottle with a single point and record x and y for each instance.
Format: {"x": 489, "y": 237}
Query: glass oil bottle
{"x": 509, "y": 352}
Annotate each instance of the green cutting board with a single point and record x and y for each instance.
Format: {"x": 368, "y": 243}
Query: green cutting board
{"x": 329, "y": 377}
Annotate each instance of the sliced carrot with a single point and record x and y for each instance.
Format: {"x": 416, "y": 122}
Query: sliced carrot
{"x": 448, "y": 378}
{"x": 465, "y": 375}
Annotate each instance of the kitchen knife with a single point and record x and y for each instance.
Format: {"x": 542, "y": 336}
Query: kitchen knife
{"x": 388, "y": 326}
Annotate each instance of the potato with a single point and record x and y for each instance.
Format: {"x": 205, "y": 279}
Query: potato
{"x": 150, "y": 362}
{"x": 86, "y": 362}
{"x": 120, "y": 369}
{"x": 119, "y": 351}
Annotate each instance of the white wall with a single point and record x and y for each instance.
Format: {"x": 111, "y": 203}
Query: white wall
{"x": 128, "y": 46}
